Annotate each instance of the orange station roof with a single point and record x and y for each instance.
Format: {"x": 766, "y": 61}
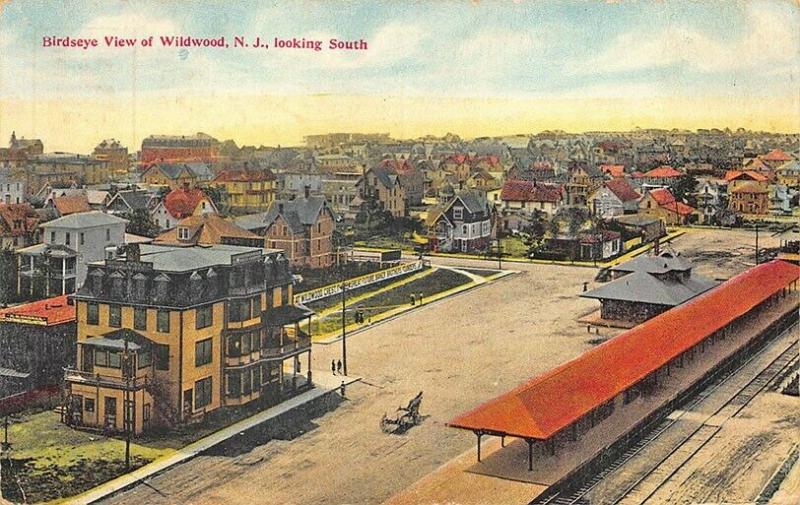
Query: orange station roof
{"x": 546, "y": 404}
{"x": 46, "y": 312}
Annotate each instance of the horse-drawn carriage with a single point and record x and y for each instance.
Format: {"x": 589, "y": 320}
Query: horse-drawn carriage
{"x": 405, "y": 418}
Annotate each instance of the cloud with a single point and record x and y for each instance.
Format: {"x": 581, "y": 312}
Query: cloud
{"x": 769, "y": 40}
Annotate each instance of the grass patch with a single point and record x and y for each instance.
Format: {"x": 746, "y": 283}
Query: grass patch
{"x": 437, "y": 282}
{"x": 514, "y": 247}
{"x": 50, "y": 460}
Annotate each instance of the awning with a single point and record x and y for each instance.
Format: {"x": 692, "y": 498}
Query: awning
{"x": 288, "y": 314}
{"x": 10, "y": 372}
{"x": 110, "y": 343}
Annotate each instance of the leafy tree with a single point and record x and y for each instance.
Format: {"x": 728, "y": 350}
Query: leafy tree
{"x": 141, "y": 223}
{"x": 8, "y": 275}
{"x": 219, "y": 196}
{"x": 684, "y": 187}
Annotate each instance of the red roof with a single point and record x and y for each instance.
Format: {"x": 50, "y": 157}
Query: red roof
{"x": 245, "y": 176}
{"x": 182, "y": 202}
{"x": 776, "y": 155}
{"x": 46, "y": 312}
{"x": 73, "y": 204}
{"x": 18, "y": 219}
{"x": 547, "y": 404}
{"x": 662, "y": 172}
{"x": 530, "y": 191}
{"x": 623, "y": 190}
{"x": 749, "y": 174}
{"x": 613, "y": 170}
{"x": 662, "y": 196}
{"x": 398, "y": 166}
{"x": 458, "y": 159}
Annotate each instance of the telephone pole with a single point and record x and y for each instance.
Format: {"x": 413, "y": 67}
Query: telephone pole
{"x": 756, "y": 243}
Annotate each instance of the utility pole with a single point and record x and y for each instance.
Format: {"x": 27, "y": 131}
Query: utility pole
{"x": 756, "y": 243}
{"x": 344, "y": 313}
{"x": 126, "y": 420}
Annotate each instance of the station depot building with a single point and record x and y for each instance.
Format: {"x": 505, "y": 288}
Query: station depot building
{"x": 629, "y": 376}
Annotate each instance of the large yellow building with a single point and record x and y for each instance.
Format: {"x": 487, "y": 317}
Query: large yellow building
{"x": 247, "y": 191}
{"x": 174, "y": 333}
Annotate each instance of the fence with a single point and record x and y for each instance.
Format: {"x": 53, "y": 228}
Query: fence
{"x": 357, "y": 282}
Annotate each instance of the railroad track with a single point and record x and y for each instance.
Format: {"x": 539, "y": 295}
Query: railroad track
{"x": 688, "y": 447}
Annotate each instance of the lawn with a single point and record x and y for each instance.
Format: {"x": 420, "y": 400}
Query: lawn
{"x": 514, "y": 247}
{"x": 437, "y": 282}
{"x": 50, "y": 460}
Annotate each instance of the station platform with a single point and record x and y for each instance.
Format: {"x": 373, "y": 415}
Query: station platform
{"x": 502, "y": 476}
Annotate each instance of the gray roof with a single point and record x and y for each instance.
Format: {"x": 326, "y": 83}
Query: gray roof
{"x": 648, "y": 288}
{"x": 85, "y": 220}
{"x": 298, "y": 213}
{"x": 183, "y": 259}
{"x": 135, "y": 199}
{"x": 173, "y": 170}
{"x": 474, "y": 201}
{"x": 54, "y": 250}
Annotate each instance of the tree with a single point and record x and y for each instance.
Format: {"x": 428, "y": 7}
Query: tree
{"x": 8, "y": 275}
{"x": 684, "y": 188}
{"x": 140, "y": 223}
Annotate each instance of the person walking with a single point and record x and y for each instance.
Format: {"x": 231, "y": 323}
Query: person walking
{"x": 333, "y": 367}
{"x": 339, "y": 366}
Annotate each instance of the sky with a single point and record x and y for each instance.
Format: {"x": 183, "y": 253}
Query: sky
{"x": 431, "y": 67}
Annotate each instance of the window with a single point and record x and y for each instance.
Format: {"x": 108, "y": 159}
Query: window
{"x": 285, "y": 296}
{"x": 240, "y": 310}
{"x": 234, "y": 384}
{"x": 140, "y": 318}
{"x": 88, "y": 404}
{"x": 202, "y": 393}
{"x": 162, "y": 357}
{"x": 234, "y": 346}
{"x": 204, "y": 317}
{"x": 145, "y": 360}
{"x": 247, "y": 384}
{"x": 183, "y": 233}
{"x": 108, "y": 234}
{"x": 114, "y": 316}
{"x": 92, "y": 314}
{"x": 67, "y": 237}
{"x": 458, "y": 213}
{"x": 114, "y": 360}
{"x": 100, "y": 358}
{"x": 146, "y": 412}
{"x": 162, "y": 321}
{"x": 82, "y": 238}
{"x": 202, "y": 352}
{"x": 52, "y": 237}
{"x": 256, "y": 306}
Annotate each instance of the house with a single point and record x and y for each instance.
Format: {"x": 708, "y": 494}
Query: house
{"x": 340, "y": 189}
{"x": 648, "y": 228}
{"x": 177, "y": 175}
{"x": 775, "y": 158}
{"x": 207, "y": 229}
{"x": 412, "y": 179}
{"x": 330, "y": 163}
{"x": 179, "y": 148}
{"x": 614, "y": 198}
{"x": 750, "y": 198}
{"x": 661, "y": 204}
{"x": 115, "y": 154}
{"x": 302, "y": 227}
{"x": 186, "y": 332}
{"x": 71, "y": 204}
{"x": 782, "y": 199}
{"x": 18, "y": 225}
{"x": 737, "y": 178}
{"x": 58, "y": 265}
{"x": 247, "y": 190}
{"x": 381, "y": 189}
{"x": 60, "y": 168}
{"x": 37, "y": 341}
{"x": 12, "y": 187}
{"x": 613, "y": 171}
{"x": 788, "y": 174}
{"x": 663, "y": 176}
{"x": 590, "y": 245}
{"x": 464, "y": 224}
{"x": 647, "y": 286}
{"x": 710, "y": 199}
{"x": 530, "y": 196}
{"x": 179, "y": 204}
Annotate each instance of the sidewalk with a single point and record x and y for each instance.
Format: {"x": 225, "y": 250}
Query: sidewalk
{"x": 323, "y": 385}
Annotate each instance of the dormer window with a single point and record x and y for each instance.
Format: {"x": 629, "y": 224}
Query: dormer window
{"x": 183, "y": 233}
{"x": 458, "y": 213}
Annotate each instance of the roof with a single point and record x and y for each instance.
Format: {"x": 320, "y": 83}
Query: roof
{"x": 134, "y": 199}
{"x": 182, "y": 202}
{"x": 45, "y": 312}
{"x": 71, "y": 204}
{"x": 474, "y": 201}
{"x": 623, "y": 190}
{"x": 731, "y": 175}
{"x": 288, "y": 314}
{"x": 18, "y": 213}
{"x": 206, "y": 229}
{"x": 173, "y": 170}
{"x": 613, "y": 170}
{"x": 170, "y": 258}
{"x": 776, "y": 155}
{"x": 662, "y": 172}
{"x": 85, "y": 220}
{"x": 297, "y": 213}
{"x": 653, "y": 264}
{"x": 651, "y": 287}
{"x": 530, "y": 191}
{"x": 605, "y": 371}
{"x": 662, "y": 196}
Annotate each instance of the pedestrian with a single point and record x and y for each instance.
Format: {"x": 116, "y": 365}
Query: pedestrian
{"x": 333, "y": 366}
{"x": 339, "y": 366}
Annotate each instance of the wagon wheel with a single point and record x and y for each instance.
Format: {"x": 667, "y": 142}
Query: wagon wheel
{"x": 386, "y": 425}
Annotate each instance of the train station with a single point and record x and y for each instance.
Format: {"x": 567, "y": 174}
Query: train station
{"x": 557, "y": 425}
